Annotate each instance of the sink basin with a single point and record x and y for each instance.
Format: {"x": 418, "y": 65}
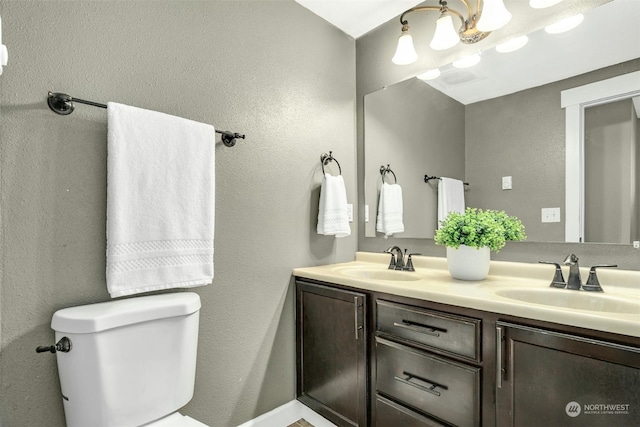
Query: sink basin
{"x": 579, "y": 300}
{"x": 380, "y": 274}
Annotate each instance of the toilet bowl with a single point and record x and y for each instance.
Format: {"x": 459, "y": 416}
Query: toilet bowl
{"x": 130, "y": 362}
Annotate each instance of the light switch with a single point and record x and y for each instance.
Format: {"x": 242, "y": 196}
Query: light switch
{"x": 366, "y": 213}
{"x": 350, "y": 211}
{"x": 506, "y": 183}
{"x": 550, "y": 214}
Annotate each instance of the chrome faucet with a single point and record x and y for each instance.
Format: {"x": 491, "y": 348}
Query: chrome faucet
{"x": 574, "y": 282}
{"x": 397, "y": 262}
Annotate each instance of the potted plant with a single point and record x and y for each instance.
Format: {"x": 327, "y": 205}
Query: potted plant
{"x": 469, "y": 238}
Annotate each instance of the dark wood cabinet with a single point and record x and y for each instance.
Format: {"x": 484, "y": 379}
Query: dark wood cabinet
{"x": 375, "y": 359}
{"x": 550, "y": 378}
{"x": 332, "y": 352}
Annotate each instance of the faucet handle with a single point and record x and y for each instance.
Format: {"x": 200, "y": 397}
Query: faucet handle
{"x": 392, "y": 264}
{"x": 558, "y": 278}
{"x": 409, "y": 265}
{"x": 593, "y": 284}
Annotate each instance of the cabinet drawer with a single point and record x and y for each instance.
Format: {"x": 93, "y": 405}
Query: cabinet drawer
{"x": 389, "y": 414}
{"x": 448, "y": 390}
{"x": 454, "y": 334}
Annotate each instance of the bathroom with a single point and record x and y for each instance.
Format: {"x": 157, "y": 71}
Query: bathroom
{"x": 272, "y": 70}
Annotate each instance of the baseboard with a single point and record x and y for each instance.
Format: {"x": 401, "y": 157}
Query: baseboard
{"x": 287, "y": 414}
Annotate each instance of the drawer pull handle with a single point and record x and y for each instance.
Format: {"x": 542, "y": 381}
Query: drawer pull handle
{"x": 430, "y": 388}
{"x": 417, "y": 327}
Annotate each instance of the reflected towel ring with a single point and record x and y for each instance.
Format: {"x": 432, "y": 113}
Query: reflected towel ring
{"x": 326, "y": 159}
{"x": 384, "y": 171}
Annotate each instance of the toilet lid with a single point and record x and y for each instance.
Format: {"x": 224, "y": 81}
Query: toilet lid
{"x": 176, "y": 420}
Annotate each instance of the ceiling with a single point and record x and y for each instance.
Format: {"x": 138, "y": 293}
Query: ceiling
{"x": 609, "y": 35}
{"x": 358, "y": 17}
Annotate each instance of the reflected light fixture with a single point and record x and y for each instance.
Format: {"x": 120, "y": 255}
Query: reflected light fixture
{"x": 489, "y": 15}
{"x": 541, "y": 4}
{"x": 429, "y": 75}
{"x": 512, "y": 45}
{"x": 565, "y": 24}
{"x": 467, "y": 61}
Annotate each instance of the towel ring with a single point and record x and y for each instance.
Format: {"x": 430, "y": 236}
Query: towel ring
{"x": 326, "y": 159}
{"x": 384, "y": 171}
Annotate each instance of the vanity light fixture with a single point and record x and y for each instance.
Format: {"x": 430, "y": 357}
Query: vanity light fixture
{"x": 467, "y": 61}
{"x": 488, "y": 15}
{"x": 513, "y": 44}
{"x": 565, "y": 24}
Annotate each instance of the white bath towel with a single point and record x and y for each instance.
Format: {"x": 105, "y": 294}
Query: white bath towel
{"x": 390, "y": 210}
{"x": 160, "y": 201}
{"x": 450, "y": 197}
{"x": 333, "y": 218}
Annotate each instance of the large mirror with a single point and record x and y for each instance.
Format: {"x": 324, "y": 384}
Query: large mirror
{"x": 512, "y": 121}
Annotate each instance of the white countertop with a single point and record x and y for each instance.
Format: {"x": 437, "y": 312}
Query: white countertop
{"x": 435, "y": 284}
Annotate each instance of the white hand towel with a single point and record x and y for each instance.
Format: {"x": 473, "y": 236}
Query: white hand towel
{"x": 333, "y": 218}
{"x": 450, "y": 198}
{"x": 160, "y": 201}
{"x": 390, "y": 210}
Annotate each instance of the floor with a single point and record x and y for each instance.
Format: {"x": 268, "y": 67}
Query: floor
{"x": 291, "y": 414}
{"x": 301, "y": 423}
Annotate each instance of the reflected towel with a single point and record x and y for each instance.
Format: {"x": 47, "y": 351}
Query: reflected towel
{"x": 333, "y": 216}
{"x": 160, "y": 201}
{"x": 389, "y": 219}
{"x": 450, "y": 197}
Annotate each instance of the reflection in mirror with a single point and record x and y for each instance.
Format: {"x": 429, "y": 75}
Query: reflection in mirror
{"x": 612, "y": 172}
{"x": 520, "y": 133}
{"x": 417, "y": 131}
{"x": 602, "y": 162}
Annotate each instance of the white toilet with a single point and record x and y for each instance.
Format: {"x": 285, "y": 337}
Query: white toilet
{"x": 132, "y": 362}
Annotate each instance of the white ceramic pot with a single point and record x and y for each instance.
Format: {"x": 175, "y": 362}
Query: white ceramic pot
{"x": 466, "y": 263}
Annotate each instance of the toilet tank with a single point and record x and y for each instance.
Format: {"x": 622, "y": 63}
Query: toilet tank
{"x": 131, "y": 361}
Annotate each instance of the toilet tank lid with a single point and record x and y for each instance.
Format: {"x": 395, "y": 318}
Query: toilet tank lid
{"x": 92, "y": 318}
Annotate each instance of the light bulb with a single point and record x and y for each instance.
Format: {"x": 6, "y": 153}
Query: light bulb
{"x": 405, "y": 52}
{"x": 445, "y": 35}
{"x": 493, "y": 16}
{"x": 565, "y": 24}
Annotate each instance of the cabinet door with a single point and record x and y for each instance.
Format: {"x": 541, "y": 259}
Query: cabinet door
{"x": 553, "y": 379}
{"x": 331, "y": 350}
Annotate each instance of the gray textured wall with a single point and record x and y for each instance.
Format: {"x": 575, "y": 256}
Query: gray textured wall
{"x": 270, "y": 69}
{"x": 375, "y": 71}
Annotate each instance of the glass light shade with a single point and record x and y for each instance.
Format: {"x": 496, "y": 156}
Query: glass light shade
{"x": 541, "y": 4}
{"x": 512, "y": 45}
{"x": 446, "y": 35}
{"x": 429, "y": 75}
{"x": 405, "y": 52}
{"x": 494, "y": 16}
{"x": 468, "y": 61}
{"x": 565, "y": 24}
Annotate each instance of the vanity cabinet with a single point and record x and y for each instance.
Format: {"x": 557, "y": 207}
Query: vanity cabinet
{"x": 332, "y": 352}
{"x": 547, "y": 378}
{"x": 426, "y": 367}
{"x": 368, "y": 358}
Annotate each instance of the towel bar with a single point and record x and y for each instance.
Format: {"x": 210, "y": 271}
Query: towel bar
{"x": 62, "y": 104}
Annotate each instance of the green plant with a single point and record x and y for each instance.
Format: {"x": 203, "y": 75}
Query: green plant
{"x": 478, "y": 229}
